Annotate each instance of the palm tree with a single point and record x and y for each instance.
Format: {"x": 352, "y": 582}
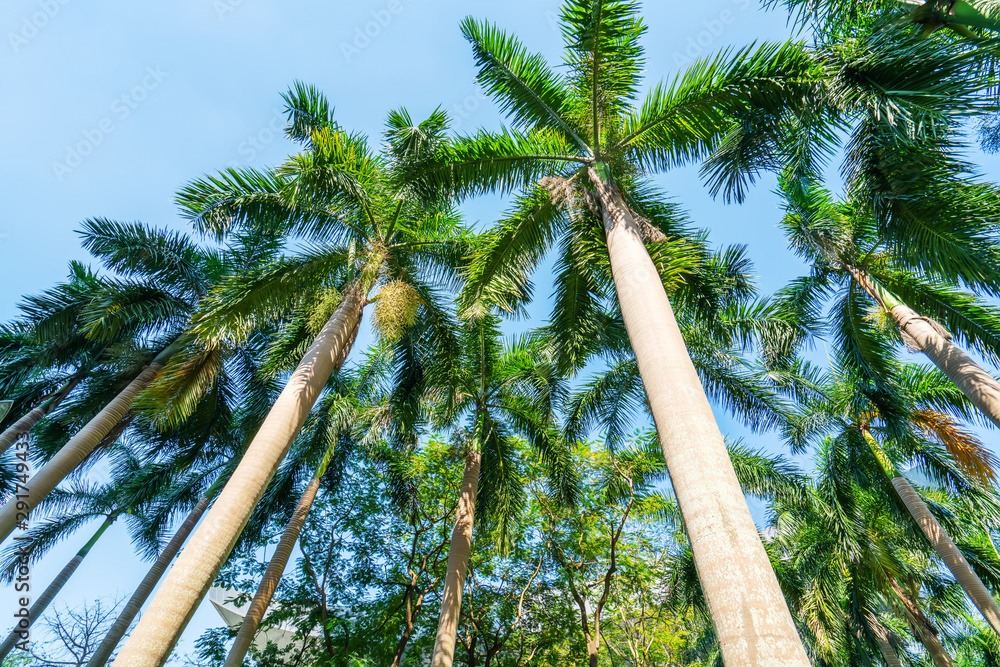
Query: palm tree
{"x": 367, "y": 232}
{"x": 854, "y": 573}
{"x": 720, "y": 322}
{"x": 164, "y": 275}
{"x": 496, "y": 392}
{"x": 328, "y": 427}
{"x": 22, "y": 426}
{"x": 578, "y": 148}
{"x": 205, "y": 445}
{"x": 897, "y": 420}
{"x": 45, "y": 354}
{"x": 134, "y": 485}
{"x": 131, "y": 609}
{"x": 842, "y": 241}
{"x": 964, "y": 19}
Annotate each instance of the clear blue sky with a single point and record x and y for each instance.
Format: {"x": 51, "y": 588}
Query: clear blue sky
{"x": 111, "y": 107}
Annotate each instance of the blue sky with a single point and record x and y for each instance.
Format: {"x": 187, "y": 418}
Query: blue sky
{"x": 111, "y": 107}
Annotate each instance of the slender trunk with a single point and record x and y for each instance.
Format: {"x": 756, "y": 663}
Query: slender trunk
{"x": 889, "y": 655}
{"x": 148, "y": 583}
{"x": 939, "y": 654}
{"x": 972, "y": 379}
{"x": 20, "y": 633}
{"x": 79, "y": 447}
{"x": 925, "y": 630}
{"x": 397, "y": 656}
{"x": 592, "y": 654}
{"x": 28, "y": 421}
{"x": 939, "y": 539}
{"x": 470, "y": 653}
{"x": 458, "y": 563}
{"x": 949, "y": 553}
{"x": 198, "y": 565}
{"x": 276, "y": 567}
{"x": 922, "y": 334}
{"x": 751, "y": 617}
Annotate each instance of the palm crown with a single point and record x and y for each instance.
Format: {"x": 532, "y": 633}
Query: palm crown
{"x": 562, "y": 124}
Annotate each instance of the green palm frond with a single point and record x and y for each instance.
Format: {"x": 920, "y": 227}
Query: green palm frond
{"x": 239, "y": 303}
{"x": 134, "y": 250}
{"x": 129, "y": 307}
{"x": 308, "y": 112}
{"x": 768, "y": 477}
{"x": 502, "y": 496}
{"x": 685, "y": 119}
{"x": 578, "y": 312}
{"x": 730, "y": 382}
{"x": 530, "y": 93}
{"x": 185, "y": 379}
{"x": 605, "y": 58}
{"x": 860, "y": 345}
{"x": 216, "y": 204}
{"x": 610, "y": 401}
{"x": 499, "y": 270}
{"x": 490, "y": 161}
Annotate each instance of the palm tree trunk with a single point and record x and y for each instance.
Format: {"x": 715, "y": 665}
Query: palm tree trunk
{"x": 929, "y": 337}
{"x": 939, "y": 654}
{"x": 28, "y": 421}
{"x": 925, "y": 630}
{"x": 881, "y": 634}
{"x": 79, "y": 447}
{"x": 939, "y": 539}
{"x": 148, "y": 583}
{"x": 949, "y": 553}
{"x": 276, "y": 567}
{"x": 20, "y": 633}
{"x": 197, "y": 566}
{"x": 750, "y": 614}
{"x": 458, "y": 563}
{"x": 922, "y": 334}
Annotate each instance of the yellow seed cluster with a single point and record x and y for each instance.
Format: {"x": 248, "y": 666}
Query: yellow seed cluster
{"x": 395, "y": 310}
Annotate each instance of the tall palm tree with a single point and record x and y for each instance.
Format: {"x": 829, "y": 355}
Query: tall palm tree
{"x": 207, "y": 444}
{"x": 133, "y": 486}
{"x": 843, "y": 243}
{"x": 44, "y": 354}
{"x": 495, "y": 393}
{"x": 577, "y": 150}
{"x": 164, "y": 276}
{"x": 896, "y": 421}
{"x": 367, "y": 232}
{"x": 326, "y": 432}
{"x": 855, "y": 573}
